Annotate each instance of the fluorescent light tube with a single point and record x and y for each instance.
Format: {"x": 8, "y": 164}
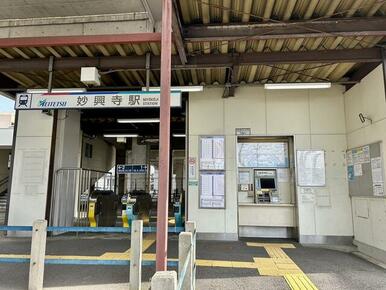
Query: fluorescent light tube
{"x": 180, "y": 89}
{"x": 133, "y": 121}
{"x": 68, "y": 90}
{"x": 179, "y": 135}
{"x": 120, "y": 135}
{"x": 297, "y": 86}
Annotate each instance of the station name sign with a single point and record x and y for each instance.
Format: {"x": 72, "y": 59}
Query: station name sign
{"x": 131, "y": 169}
{"x": 93, "y": 100}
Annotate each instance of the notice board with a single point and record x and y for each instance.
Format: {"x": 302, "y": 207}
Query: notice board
{"x": 365, "y": 171}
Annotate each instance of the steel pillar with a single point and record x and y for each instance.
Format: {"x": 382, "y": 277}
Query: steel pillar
{"x": 164, "y": 144}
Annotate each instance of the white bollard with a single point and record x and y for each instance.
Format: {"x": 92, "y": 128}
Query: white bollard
{"x": 136, "y": 255}
{"x": 38, "y": 252}
{"x": 191, "y": 228}
{"x": 164, "y": 280}
{"x": 185, "y": 249}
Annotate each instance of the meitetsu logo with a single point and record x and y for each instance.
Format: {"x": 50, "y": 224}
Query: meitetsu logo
{"x": 52, "y": 104}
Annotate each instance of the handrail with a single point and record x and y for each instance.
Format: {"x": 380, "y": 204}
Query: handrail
{"x": 79, "y": 168}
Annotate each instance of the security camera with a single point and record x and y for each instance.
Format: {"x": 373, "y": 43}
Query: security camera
{"x": 364, "y": 118}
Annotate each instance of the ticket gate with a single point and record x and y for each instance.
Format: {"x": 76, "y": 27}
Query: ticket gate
{"x": 177, "y": 209}
{"x": 102, "y": 208}
{"x": 129, "y": 210}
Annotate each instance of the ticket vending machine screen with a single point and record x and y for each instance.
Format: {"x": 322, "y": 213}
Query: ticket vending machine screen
{"x": 267, "y": 183}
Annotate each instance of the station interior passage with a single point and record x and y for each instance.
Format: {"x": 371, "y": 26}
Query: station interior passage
{"x": 114, "y": 177}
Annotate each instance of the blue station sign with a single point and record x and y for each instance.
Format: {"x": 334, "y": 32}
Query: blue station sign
{"x": 131, "y": 169}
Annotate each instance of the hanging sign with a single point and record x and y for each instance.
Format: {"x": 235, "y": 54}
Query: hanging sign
{"x": 93, "y": 100}
{"x": 131, "y": 169}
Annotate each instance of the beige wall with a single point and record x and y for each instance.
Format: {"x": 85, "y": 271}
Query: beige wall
{"x": 103, "y": 155}
{"x": 316, "y": 120}
{"x": 368, "y": 97}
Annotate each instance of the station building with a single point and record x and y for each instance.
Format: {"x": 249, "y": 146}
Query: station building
{"x": 277, "y": 121}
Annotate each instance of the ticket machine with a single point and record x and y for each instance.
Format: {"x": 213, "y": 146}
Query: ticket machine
{"x": 265, "y": 184}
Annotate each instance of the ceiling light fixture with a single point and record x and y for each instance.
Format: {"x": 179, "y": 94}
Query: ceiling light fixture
{"x": 297, "y": 86}
{"x": 179, "y": 89}
{"x": 138, "y": 121}
{"x": 179, "y": 135}
{"x": 120, "y": 135}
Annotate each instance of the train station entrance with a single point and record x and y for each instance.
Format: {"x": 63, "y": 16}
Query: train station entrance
{"x": 105, "y": 156}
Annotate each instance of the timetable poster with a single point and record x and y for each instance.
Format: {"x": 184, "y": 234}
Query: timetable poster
{"x": 212, "y": 193}
{"x": 212, "y": 153}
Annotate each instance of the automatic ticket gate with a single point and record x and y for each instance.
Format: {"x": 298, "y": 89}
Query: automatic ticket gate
{"x": 129, "y": 210}
{"x": 102, "y": 208}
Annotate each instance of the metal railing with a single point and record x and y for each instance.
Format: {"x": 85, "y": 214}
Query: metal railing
{"x": 72, "y": 188}
{"x": 38, "y": 256}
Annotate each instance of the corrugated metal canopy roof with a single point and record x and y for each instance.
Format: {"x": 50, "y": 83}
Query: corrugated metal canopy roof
{"x": 208, "y": 12}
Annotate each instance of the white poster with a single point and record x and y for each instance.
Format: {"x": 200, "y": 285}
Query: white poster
{"x": 311, "y": 168}
{"x": 358, "y": 171}
{"x": 206, "y": 185}
{"x": 212, "y": 153}
{"x": 218, "y": 184}
{"x": 192, "y": 167}
{"x": 378, "y": 189}
{"x": 376, "y": 170}
{"x": 212, "y": 194}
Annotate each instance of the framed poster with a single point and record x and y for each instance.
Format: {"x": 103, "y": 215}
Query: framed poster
{"x": 212, "y": 190}
{"x": 263, "y": 155}
{"x": 311, "y": 170}
{"x": 212, "y": 153}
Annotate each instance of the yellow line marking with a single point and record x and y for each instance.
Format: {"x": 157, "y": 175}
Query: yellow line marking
{"x": 280, "y": 264}
{"x": 146, "y": 243}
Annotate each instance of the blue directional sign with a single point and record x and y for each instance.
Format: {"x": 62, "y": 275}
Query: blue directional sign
{"x": 131, "y": 168}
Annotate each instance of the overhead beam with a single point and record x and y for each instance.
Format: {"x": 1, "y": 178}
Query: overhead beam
{"x": 360, "y": 73}
{"x": 374, "y": 26}
{"x": 177, "y": 35}
{"x": 230, "y": 86}
{"x": 80, "y": 40}
{"x": 365, "y": 55}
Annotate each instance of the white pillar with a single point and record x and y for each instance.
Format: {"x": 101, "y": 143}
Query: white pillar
{"x": 191, "y": 228}
{"x": 185, "y": 250}
{"x": 38, "y": 252}
{"x": 30, "y": 169}
{"x": 136, "y": 255}
{"x": 166, "y": 280}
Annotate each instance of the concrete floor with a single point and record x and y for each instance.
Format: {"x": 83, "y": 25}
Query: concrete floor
{"x": 327, "y": 269}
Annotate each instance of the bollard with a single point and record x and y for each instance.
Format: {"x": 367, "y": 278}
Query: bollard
{"x": 38, "y": 252}
{"x": 164, "y": 280}
{"x": 185, "y": 249}
{"x": 136, "y": 255}
{"x": 191, "y": 228}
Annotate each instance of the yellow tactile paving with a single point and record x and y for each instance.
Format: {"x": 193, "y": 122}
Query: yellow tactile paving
{"x": 263, "y": 245}
{"x": 299, "y": 282}
{"x": 280, "y": 264}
